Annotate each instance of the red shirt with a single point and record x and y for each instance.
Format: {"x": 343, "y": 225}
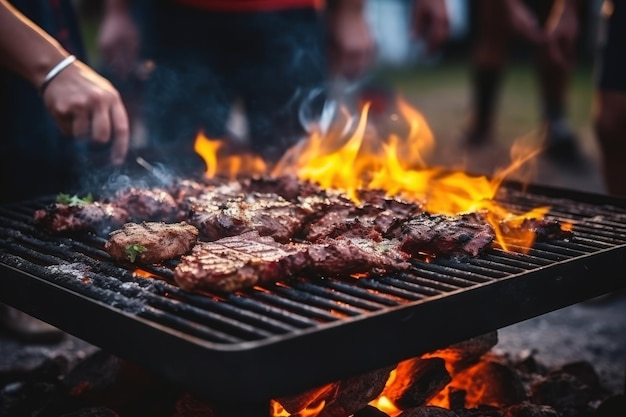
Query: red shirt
{"x": 251, "y": 5}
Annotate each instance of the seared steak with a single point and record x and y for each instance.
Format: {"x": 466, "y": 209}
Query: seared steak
{"x": 151, "y": 242}
{"x": 544, "y": 229}
{"x": 268, "y": 214}
{"x": 147, "y": 204}
{"x": 440, "y": 235}
{"x": 237, "y": 262}
{"x": 93, "y": 217}
{"x": 346, "y": 255}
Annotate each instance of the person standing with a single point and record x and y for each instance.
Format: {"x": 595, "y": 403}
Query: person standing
{"x": 609, "y": 118}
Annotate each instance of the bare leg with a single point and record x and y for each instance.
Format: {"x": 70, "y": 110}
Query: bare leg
{"x": 610, "y": 125}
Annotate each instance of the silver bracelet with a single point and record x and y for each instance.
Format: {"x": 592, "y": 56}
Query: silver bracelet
{"x": 56, "y": 70}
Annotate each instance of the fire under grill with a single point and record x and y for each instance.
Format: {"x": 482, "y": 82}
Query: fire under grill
{"x": 287, "y": 337}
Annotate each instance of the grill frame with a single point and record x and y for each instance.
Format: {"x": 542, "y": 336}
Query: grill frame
{"x": 287, "y": 363}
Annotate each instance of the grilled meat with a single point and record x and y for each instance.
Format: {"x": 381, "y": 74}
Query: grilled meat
{"x": 151, "y": 242}
{"x": 439, "y": 235}
{"x": 346, "y": 255}
{"x": 147, "y": 204}
{"x": 268, "y": 214}
{"x": 289, "y": 188}
{"x": 237, "y": 262}
{"x": 544, "y": 229}
{"x": 93, "y": 217}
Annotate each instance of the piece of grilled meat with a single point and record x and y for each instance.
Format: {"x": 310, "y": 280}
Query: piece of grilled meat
{"x": 151, "y": 242}
{"x": 92, "y": 217}
{"x": 147, "y": 204}
{"x": 268, "y": 214}
{"x": 238, "y": 262}
{"x": 439, "y": 235}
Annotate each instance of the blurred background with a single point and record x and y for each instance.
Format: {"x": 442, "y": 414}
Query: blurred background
{"x": 439, "y": 87}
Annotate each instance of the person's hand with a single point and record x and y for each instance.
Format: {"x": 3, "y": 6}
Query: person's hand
{"x": 430, "y": 22}
{"x": 86, "y": 106}
{"x": 561, "y": 33}
{"x": 118, "y": 40}
{"x": 523, "y": 22}
{"x": 351, "y": 43}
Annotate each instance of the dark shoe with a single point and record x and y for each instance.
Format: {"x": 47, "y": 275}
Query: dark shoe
{"x": 561, "y": 143}
{"x": 27, "y": 328}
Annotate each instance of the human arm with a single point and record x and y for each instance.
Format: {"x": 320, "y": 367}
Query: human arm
{"x": 82, "y": 102}
{"x": 430, "y": 22}
{"x": 118, "y": 37}
{"x": 351, "y": 43}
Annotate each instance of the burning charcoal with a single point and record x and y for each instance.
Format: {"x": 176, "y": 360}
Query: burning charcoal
{"x": 461, "y": 355}
{"x": 492, "y": 383}
{"x": 355, "y": 393}
{"x": 480, "y": 411}
{"x": 441, "y": 235}
{"x": 151, "y": 242}
{"x": 296, "y": 403}
{"x": 567, "y": 394}
{"x": 585, "y": 373}
{"x": 370, "y": 411}
{"x": 417, "y": 381}
{"x": 612, "y": 407}
{"x": 93, "y": 412}
{"x": 189, "y": 406}
{"x": 93, "y": 217}
{"x": 456, "y": 398}
{"x": 429, "y": 411}
{"x": 237, "y": 262}
{"x": 526, "y": 409}
{"x": 104, "y": 380}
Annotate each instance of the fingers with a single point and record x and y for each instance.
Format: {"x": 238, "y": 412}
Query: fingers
{"x": 81, "y": 125}
{"x": 119, "y": 124}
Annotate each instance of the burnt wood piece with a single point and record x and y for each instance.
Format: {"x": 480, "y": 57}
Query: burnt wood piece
{"x": 353, "y": 394}
{"x": 237, "y": 262}
{"x": 464, "y": 354}
{"x": 267, "y": 214}
{"x": 417, "y": 381}
{"x": 528, "y": 409}
{"x": 147, "y": 204}
{"x": 429, "y": 411}
{"x": 293, "y": 404}
{"x": 157, "y": 241}
{"x": 439, "y": 235}
{"x": 94, "y": 217}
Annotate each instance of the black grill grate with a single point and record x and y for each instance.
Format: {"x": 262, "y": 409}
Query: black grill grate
{"x": 284, "y": 338}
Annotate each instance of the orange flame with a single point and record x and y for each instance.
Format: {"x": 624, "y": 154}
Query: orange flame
{"x": 228, "y": 165}
{"x": 363, "y": 160}
{"x": 277, "y": 410}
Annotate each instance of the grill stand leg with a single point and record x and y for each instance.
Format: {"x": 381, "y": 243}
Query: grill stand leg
{"x": 241, "y": 408}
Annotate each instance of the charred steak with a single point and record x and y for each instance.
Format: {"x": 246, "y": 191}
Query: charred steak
{"x": 147, "y": 204}
{"x": 92, "y": 217}
{"x": 237, "y": 262}
{"x": 439, "y": 235}
{"x": 151, "y": 242}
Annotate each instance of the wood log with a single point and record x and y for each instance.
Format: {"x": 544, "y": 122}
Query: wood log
{"x": 416, "y": 381}
{"x": 428, "y": 412}
{"x": 464, "y": 354}
{"x": 355, "y": 393}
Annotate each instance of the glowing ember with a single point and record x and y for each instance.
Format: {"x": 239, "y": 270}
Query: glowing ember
{"x": 397, "y": 164}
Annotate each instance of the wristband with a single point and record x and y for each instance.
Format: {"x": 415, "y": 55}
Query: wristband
{"x": 56, "y": 70}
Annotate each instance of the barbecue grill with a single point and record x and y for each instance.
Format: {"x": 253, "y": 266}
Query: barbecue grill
{"x": 244, "y": 348}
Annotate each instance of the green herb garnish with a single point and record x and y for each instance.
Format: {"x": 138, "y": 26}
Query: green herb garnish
{"x": 74, "y": 200}
{"x": 134, "y": 250}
